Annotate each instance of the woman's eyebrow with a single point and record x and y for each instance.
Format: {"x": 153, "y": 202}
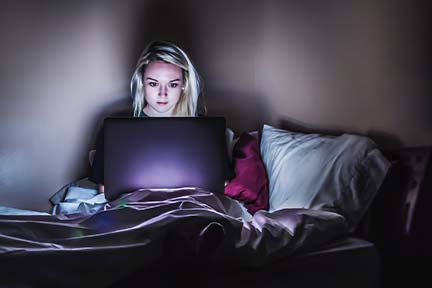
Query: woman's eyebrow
{"x": 149, "y": 78}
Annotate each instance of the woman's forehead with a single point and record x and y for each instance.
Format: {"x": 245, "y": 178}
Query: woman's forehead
{"x": 162, "y": 70}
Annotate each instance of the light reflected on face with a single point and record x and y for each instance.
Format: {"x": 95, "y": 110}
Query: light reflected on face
{"x": 162, "y": 88}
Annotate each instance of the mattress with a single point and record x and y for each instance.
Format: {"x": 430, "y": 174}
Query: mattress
{"x": 349, "y": 262}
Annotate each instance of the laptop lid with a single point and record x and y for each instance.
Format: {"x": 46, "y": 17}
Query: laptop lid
{"x": 164, "y": 152}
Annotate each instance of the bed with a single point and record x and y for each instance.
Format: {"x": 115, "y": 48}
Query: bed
{"x": 197, "y": 238}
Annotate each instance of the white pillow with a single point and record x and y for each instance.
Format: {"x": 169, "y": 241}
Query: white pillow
{"x": 313, "y": 171}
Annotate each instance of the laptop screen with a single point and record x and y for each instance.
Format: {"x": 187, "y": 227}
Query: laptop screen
{"x": 164, "y": 152}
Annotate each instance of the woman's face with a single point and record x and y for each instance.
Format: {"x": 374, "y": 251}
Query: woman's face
{"x": 162, "y": 88}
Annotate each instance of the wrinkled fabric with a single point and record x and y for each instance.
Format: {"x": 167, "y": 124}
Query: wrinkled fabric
{"x": 136, "y": 230}
{"x": 16, "y": 211}
{"x": 80, "y": 200}
{"x": 250, "y": 183}
{"x": 85, "y": 199}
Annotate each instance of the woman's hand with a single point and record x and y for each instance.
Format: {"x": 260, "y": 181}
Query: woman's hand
{"x": 101, "y": 188}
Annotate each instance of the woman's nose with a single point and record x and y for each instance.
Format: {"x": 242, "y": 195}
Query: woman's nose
{"x": 163, "y": 90}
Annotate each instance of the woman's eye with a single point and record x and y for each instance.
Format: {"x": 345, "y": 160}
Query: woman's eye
{"x": 173, "y": 85}
{"x": 152, "y": 84}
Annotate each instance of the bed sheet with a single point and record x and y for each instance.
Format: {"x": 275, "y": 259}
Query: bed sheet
{"x": 138, "y": 229}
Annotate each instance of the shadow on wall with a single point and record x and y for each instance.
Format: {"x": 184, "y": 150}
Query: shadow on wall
{"x": 244, "y": 111}
{"x": 165, "y": 20}
{"x": 383, "y": 139}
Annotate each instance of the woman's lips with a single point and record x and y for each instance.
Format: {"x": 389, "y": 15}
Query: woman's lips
{"x": 162, "y": 103}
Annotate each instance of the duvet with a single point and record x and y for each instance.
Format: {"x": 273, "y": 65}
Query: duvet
{"x": 139, "y": 229}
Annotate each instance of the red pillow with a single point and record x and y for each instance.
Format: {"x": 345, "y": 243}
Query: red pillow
{"x": 250, "y": 184}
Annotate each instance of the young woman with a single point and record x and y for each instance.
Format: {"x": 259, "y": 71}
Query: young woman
{"x": 165, "y": 83}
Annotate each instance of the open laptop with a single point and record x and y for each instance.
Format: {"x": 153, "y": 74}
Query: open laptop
{"x": 164, "y": 152}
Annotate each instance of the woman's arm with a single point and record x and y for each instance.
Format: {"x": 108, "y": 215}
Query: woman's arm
{"x": 101, "y": 188}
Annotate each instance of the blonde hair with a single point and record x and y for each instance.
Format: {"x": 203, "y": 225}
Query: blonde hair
{"x": 169, "y": 53}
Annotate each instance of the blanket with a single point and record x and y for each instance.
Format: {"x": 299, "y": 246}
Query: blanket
{"x": 144, "y": 226}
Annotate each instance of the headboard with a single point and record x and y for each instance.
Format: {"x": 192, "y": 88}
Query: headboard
{"x": 397, "y": 221}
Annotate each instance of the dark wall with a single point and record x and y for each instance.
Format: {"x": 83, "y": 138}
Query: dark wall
{"x": 356, "y": 66}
